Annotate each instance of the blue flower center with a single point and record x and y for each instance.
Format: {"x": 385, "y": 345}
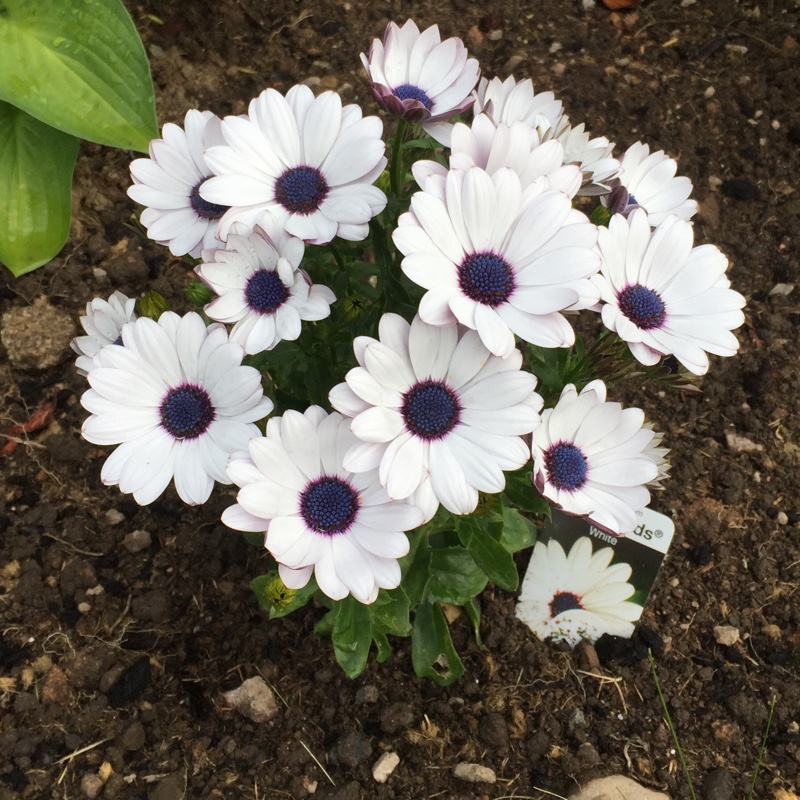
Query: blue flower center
{"x": 203, "y": 208}
{"x": 642, "y": 306}
{"x": 564, "y": 601}
{"x": 566, "y": 466}
{"x": 408, "y": 91}
{"x": 186, "y": 412}
{"x": 329, "y": 505}
{"x": 486, "y": 278}
{"x": 301, "y": 190}
{"x": 265, "y": 292}
{"x": 430, "y": 409}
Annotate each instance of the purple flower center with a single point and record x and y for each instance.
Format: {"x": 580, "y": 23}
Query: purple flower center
{"x": 329, "y": 505}
{"x": 265, "y": 292}
{"x": 301, "y": 189}
{"x": 408, "y": 91}
{"x": 564, "y": 601}
{"x": 486, "y": 278}
{"x": 186, "y": 412}
{"x": 566, "y": 466}
{"x": 430, "y": 409}
{"x": 203, "y": 208}
{"x": 642, "y": 306}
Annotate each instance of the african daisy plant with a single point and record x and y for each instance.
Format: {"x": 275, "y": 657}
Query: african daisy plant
{"x": 390, "y": 377}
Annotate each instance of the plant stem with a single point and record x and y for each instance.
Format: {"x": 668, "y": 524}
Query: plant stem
{"x": 671, "y": 726}
{"x": 762, "y": 750}
{"x": 397, "y": 173}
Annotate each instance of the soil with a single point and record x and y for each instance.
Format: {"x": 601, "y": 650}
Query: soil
{"x": 122, "y": 626}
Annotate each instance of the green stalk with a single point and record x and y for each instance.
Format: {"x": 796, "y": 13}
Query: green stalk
{"x": 397, "y": 173}
{"x": 671, "y": 726}
{"x": 762, "y": 750}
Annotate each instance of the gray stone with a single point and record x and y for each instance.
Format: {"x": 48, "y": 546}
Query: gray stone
{"x": 91, "y": 785}
{"x": 385, "y": 766}
{"x": 474, "y": 773}
{"x": 136, "y": 541}
{"x": 616, "y": 787}
{"x": 133, "y": 737}
{"x": 253, "y": 699}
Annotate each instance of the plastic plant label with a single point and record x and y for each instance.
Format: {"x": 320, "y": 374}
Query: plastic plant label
{"x": 582, "y": 582}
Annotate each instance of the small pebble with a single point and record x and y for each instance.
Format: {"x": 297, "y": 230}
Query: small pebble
{"x": 782, "y": 518}
{"x": 253, "y": 699}
{"x": 474, "y": 773}
{"x": 91, "y": 785}
{"x": 136, "y": 541}
{"x": 114, "y": 517}
{"x": 726, "y": 635}
{"x": 385, "y": 766}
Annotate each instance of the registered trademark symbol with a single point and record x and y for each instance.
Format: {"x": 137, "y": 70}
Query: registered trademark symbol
{"x": 658, "y": 534}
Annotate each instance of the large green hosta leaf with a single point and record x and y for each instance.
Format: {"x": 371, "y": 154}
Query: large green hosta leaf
{"x": 36, "y": 163}
{"x": 79, "y": 66}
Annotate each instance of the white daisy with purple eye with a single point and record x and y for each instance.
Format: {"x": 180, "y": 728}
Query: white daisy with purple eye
{"x": 591, "y": 458}
{"x": 419, "y": 77}
{"x": 176, "y": 399}
{"x": 168, "y": 184}
{"x": 648, "y": 180}
{"x": 508, "y": 101}
{"x": 318, "y": 516}
{"x": 306, "y": 160}
{"x": 436, "y": 413}
{"x": 665, "y": 297}
{"x": 103, "y": 323}
{"x": 577, "y": 595}
{"x": 498, "y": 260}
{"x": 516, "y": 145}
{"x": 262, "y": 289}
{"x": 592, "y": 155}
{"x": 511, "y": 101}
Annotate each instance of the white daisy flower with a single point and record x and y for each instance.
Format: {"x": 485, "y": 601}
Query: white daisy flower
{"x": 433, "y": 406}
{"x": 663, "y": 296}
{"x": 498, "y": 260}
{"x": 169, "y": 182}
{"x": 103, "y": 322}
{"x": 508, "y": 101}
{"x": 318, "y": 516}
{"x": 511, "y": 101}
{"x": 591, "y": 458}
{"x": 648, "y": 181}
{"x": 176, "y": 399}
{"x": 517, "y": 146}
{"x": 307, "y": 161}
{"x": 580, "y": 595}
{"x": 419, "y": 77}
{"x": 593, "y": 156}
{"x": 262, "y": 289}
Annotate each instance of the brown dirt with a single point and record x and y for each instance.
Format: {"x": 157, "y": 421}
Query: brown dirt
{"x": 113, "y": 658}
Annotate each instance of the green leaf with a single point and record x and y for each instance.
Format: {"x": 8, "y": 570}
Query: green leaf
{"x": 519, "y": 490}
{"x": 383, "y": 646}
{"x": 454, "y": 576}
{"x": 473, "y": 610}
{"x": 352, "y": 635}
{"x": 36, "y": 163}
{"x": 79, "y": 66}
{"x": 518, "y": 531}
{"x": 415, "y": 568}
{"x": 432, "y": 651}
{"x": 390, "y": 613}
{"x": 488, "y": 553}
